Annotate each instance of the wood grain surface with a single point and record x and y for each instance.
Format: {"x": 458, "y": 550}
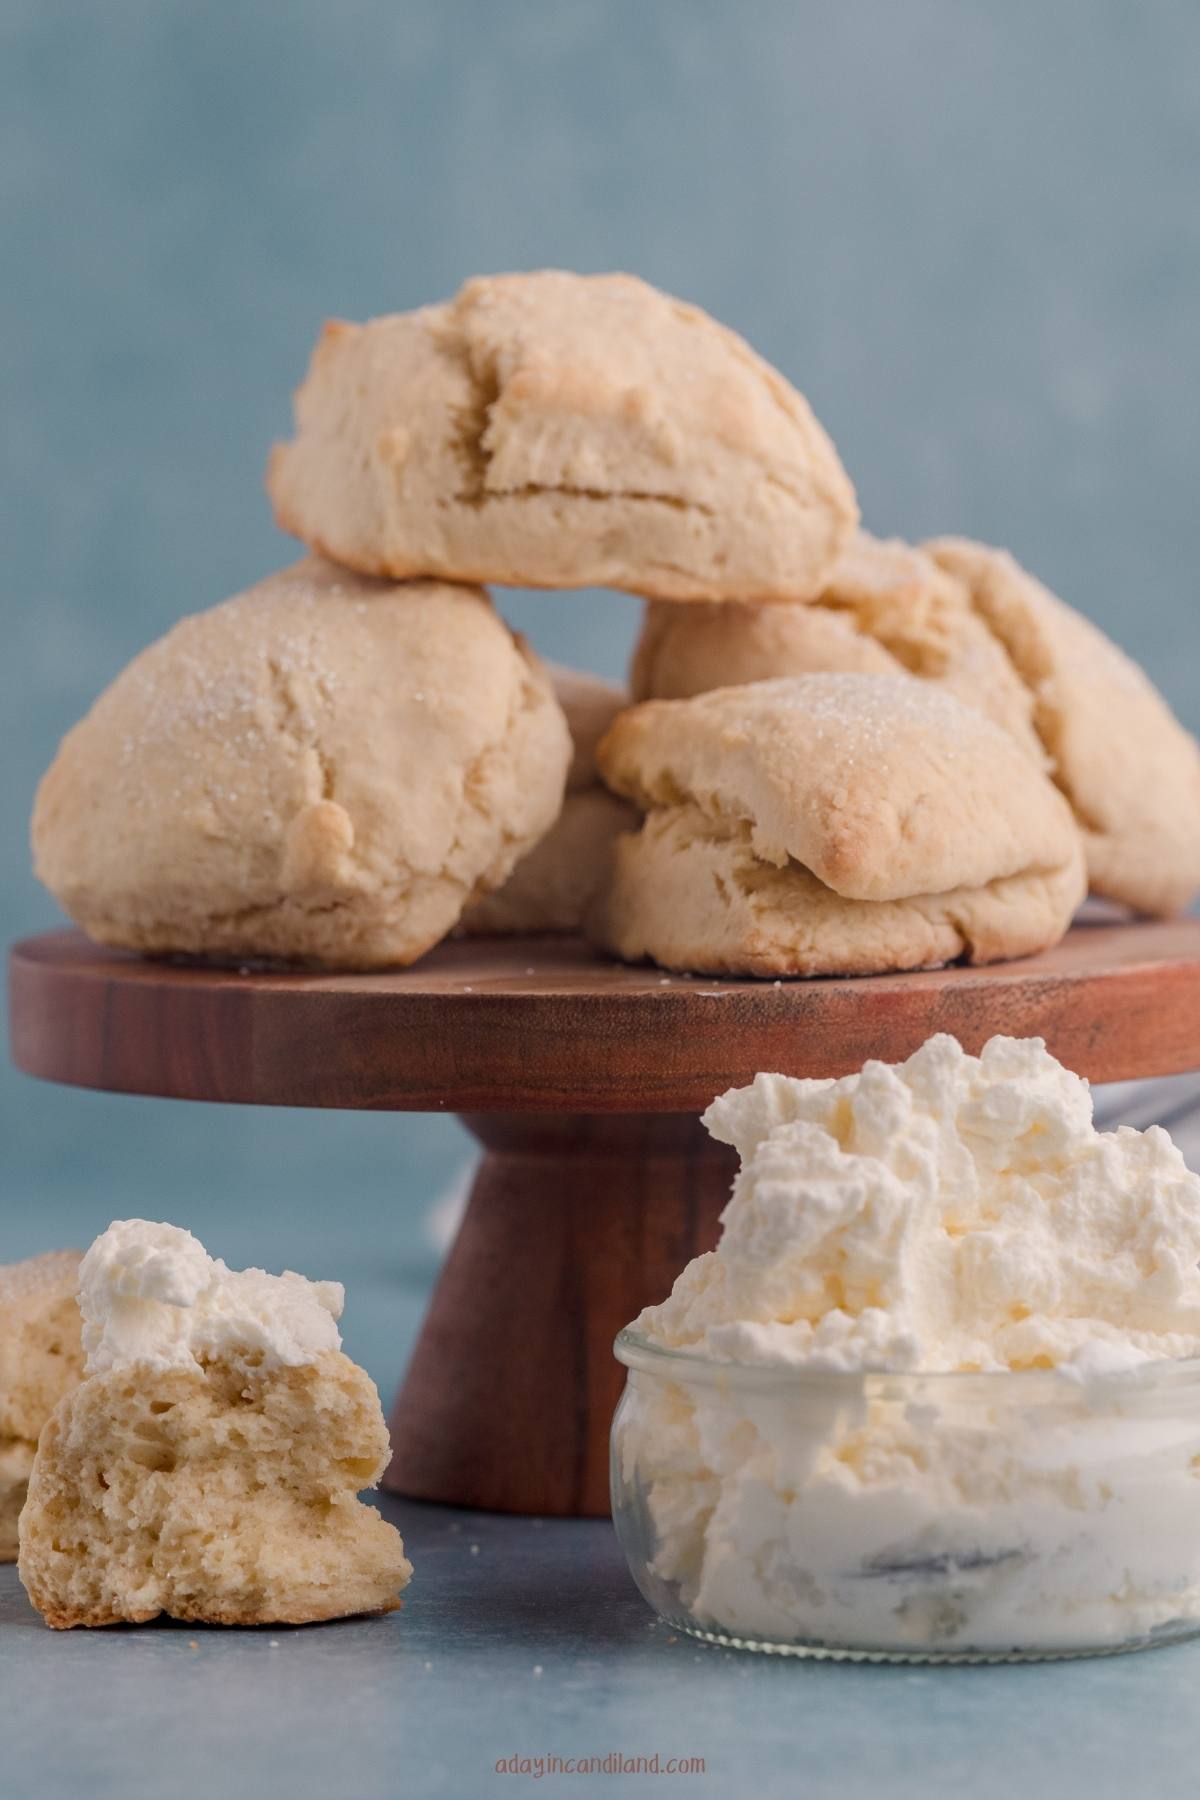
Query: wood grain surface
{"x": 546, "y": 1024}
{"x": 583, "y": 1078}
{"x": 574, "y": 1224}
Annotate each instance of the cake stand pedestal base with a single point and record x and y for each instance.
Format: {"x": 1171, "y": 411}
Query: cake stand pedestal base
{"x": 575, "y": 1222}
{"x": 583, "y": 1079}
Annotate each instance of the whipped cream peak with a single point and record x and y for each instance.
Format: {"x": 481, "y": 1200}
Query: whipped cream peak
{"x": 150, "y": 1293}
{"x": 952, "y": 1212}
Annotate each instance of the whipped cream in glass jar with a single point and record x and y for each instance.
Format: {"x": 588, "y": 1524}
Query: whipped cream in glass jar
{"x": 936, "y": 1396}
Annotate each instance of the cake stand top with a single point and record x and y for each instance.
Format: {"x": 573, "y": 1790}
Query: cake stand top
{"x": 547, "y": 1025}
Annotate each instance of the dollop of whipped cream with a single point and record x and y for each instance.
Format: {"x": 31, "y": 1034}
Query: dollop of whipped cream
{"x": 952, "y": 1212}
{"x": 152, "y": 1294}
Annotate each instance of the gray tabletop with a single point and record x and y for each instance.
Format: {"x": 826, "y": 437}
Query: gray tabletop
{"x": 526, "y": 1639}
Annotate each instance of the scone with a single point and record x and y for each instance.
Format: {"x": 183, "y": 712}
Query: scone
{"x": 1126, "y": 764}
{"x": 832, "y": 824}
{"x": 590, "y": 704}
{"x": 971, "y": 620}
{"x": 887, "y": 609}
{"x": 559, "y": 430}
{"x": 208, "y": 1466}
{"x": 16, "y": 1460}
{"x": 41, "y": 1359}
{"x": 324, "y": 769}
{"x": 552, "y": 887}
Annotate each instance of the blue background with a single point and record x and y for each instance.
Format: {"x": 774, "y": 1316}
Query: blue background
{"x": 971, "y": 233}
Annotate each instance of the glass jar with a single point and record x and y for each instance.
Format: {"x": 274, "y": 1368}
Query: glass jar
{"x": 910, "y": 1518}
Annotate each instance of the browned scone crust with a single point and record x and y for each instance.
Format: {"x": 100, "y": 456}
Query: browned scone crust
{"x": 561, "y": 430}
{"x": 16, "y": 1460}
{"x": 41, "y": 1359}
{"x": 324, "y": 770}
{"x": 223, "y": 1494}
{"x": 771, "y": 921}
{"x": 553, "y": 885}
{"x": 590, "y": 704}
{"x": 832, "y": 824}
{"x": 886, "y": 609}
{"x": 552, "y": 888}
{"x": 969, "y": 619}
{"x": 1129, "y": 769}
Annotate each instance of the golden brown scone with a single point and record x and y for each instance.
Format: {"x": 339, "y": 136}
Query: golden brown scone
{"x": 887, "y": 609}
{"x": 832, "y": 824}
{"x": 689, "y": 892}
{"x": 225, "y": 1494}
{"x": 16, "y": 1460}
{"x": 323, "y": 769}
{"x": 972, "y": 620}
{"x": 1129, "y": 769}
{"x": 560, "y": 430}
{"x": 41, "y": 1359}
{"x": 552, "y": 886}
{"x": 590, "y": 704}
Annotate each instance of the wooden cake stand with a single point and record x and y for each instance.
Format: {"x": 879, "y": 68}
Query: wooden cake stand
{"x": 582, "y": 1079}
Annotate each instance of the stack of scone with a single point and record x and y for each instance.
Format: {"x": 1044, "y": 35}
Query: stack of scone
{"x": 971, "y": 621}
{"x": 850, "y": 756}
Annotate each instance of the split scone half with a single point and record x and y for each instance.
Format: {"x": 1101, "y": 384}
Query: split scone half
{"x": 553, "y": 885}
{"x": 208, "y": 1466}
{"x": 970, "y": 620}
{"x": 558, "y": 430}
{"x": 832, "y": 825}
{"x": 41, "y": 1359}
{"x": 324, "y": 770}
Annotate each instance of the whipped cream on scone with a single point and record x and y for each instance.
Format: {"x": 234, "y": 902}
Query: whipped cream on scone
{"x": 151, "y": 1294}
{"x": 209, "y": 1464}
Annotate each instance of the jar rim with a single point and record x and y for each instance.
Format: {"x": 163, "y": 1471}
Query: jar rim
{"x": 640, "y": 1353}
